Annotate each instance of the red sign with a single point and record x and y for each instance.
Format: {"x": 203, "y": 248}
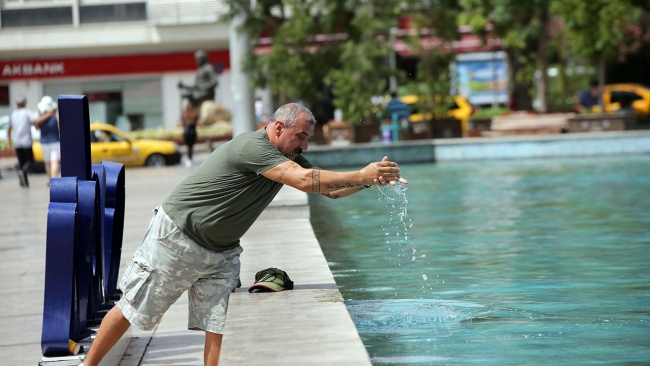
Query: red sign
{"x": 109, "y": 65}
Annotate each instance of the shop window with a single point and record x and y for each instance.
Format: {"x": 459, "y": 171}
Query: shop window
{"x": 112, "y": 13}
{"x": 4, "y": 96}
{"x": 126, "y": 104}
{"x": 30, "y": 17}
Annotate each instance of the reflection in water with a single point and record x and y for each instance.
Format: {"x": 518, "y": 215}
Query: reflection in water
{"x": 503, "y": 262}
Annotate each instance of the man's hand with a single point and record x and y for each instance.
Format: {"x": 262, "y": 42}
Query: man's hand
{"x": 383, "y": 172}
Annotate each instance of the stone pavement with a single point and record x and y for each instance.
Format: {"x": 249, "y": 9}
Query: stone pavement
{"x": 315, "y": 326}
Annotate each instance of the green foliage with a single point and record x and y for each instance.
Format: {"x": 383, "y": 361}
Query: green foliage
{"x": 363, "y": 70}
{"x": 562, "y": 94}
{"x": 299, "y": 65}
{"x": 595, "y": 29}
{"x": 486, "y": 113}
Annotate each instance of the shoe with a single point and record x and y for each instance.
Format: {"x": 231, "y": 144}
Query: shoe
{"x": 22, "y": 177}
{"x": 188, "y": 163}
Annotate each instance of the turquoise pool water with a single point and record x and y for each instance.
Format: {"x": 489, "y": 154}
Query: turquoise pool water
{"x": 540, "y": 262}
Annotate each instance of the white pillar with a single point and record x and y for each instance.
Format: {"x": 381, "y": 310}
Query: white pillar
{"x": 243, "y": 115}
{"x": 75, "y": 14}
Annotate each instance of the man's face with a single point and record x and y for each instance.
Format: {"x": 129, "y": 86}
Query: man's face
{"x": 293, "y": 141}
{"x": 594, "y": 91}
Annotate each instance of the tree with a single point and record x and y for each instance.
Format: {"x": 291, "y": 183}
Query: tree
{"x": 431, "y": 18}
{"x": 337, "y": 44}
{"x": 596, "y": 29}
{"x": 522, "y": 27}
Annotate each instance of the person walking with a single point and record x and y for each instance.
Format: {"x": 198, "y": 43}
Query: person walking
{"x": 48, "y": 123}
{"x": 20, "y": 123}
{"x": 189, "y": 137}
{"x": 193, "y": 240}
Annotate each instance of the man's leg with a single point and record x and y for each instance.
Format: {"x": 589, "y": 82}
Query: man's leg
{"x": 110, "y": 331}
{"x": 212, "y": 348}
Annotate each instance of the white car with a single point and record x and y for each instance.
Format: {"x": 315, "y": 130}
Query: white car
{"x": 4, "y": 126}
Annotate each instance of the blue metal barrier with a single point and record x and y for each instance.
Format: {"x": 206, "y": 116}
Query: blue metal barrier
{"x": 85, "y": 223}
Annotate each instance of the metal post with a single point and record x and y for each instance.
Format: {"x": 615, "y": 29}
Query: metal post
{"x": 392, "y": 81}
{"x": 243, "y": 115}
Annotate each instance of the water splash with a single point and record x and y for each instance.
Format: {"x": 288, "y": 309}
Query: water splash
{"x": 399, "y": 224}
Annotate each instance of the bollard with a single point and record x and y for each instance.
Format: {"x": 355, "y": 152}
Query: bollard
{"x": 85, "y": 223}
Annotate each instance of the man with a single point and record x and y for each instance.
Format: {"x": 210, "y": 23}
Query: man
{"x": 588, "y": 98}
{"x": 20, "y": 122}
{"x": 193, "y": 240}
{"x": 395, "y": 106}
{"x": 204, "y": 83}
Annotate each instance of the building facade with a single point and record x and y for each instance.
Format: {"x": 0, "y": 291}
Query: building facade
{"x": 126, "y": 56}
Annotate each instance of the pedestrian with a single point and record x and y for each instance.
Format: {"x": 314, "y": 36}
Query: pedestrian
{"x": 189, "y": 136}
{"x": 259, "y": 110}
{"x": 397, "y": 107}
{"x": 588, "y": 98}
{"x": 206, "y": 215}
{"x": 48, "y": 123}
{"x": 20, "y": 123}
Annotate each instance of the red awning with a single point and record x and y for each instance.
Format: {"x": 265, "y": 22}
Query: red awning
{"x": 467, "y": 43}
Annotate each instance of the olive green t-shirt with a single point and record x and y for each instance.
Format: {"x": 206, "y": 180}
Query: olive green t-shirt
{"x": 220, "y": 201}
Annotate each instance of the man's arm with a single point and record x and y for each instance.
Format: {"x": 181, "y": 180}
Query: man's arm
{"x": 345, "y": 192}
{"x": 338, "y": 183}
{"x": 9, "y": 135}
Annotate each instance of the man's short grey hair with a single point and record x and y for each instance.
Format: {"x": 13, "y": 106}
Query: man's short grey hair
{"x": 289, "y": 114}
{"x": 21, "y": 100}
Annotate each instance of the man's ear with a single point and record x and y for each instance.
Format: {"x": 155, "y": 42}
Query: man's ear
{"x": 278, "y": 126}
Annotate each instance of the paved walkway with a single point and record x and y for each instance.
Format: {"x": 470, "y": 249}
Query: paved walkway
{"x": 310, "y": 317}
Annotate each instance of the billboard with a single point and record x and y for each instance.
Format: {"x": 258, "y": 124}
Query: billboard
{"x": 482, "y": 77}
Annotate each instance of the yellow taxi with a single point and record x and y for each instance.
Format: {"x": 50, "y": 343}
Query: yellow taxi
{"x": 637, "y": 94}
{"x": 108, "y": 143}
{"x": 457, "y": 107}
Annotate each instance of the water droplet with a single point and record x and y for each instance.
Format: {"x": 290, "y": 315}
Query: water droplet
{"x": 424, "y": 277}
{"x": 424, "y": 255}
{"x": 413, "y": 259}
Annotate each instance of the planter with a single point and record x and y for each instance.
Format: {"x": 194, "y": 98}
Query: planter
{"x": 445, "y": 128}
{"x": 204, "y": 139}
{"x": 7, "y": 153}
{"x": 367, "y": 133}
{"x": 603, "y": 122}
{"x": 318, "y": 138}
{"x": 477, "y": 126}
{"x": 421, "y": 130}
{"x": 339, "y": 133}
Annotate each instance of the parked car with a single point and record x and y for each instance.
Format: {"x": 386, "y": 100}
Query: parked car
{"x": 457, "y": 107}
{"x": 638, "y": 94}
{"x": 4, "y": 126}
{"x": 108, "y": 143}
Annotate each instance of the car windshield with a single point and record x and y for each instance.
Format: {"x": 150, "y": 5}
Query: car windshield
{"x": 105, "y": 136}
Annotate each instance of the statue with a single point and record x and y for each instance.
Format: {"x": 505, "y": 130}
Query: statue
{"x": 204, "y": 84}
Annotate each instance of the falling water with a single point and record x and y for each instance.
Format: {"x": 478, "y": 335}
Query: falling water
{"x": 397, "y": 230}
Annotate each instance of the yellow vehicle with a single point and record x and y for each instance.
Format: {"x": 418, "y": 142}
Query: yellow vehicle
{"x": 637, "y": 94}
{"x": 458, "y": 108}
{"x": 108, "y": 143}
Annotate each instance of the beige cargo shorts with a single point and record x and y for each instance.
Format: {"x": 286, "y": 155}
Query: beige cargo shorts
{"x": 168, "y": 263}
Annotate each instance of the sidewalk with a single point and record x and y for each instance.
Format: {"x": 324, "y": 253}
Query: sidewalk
{"x": 313, "y": 322}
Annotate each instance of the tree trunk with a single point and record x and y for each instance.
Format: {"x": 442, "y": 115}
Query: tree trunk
{"x": 519, "y": 88}
{"x": 542, "y": 61}
{"x": 601, "y": 84}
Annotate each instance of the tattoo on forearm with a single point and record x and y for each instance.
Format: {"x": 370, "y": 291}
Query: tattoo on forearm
{"x": 342, "y": 186}
{"x": 291, "y": 165}
{"x": 315, "y": 180}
